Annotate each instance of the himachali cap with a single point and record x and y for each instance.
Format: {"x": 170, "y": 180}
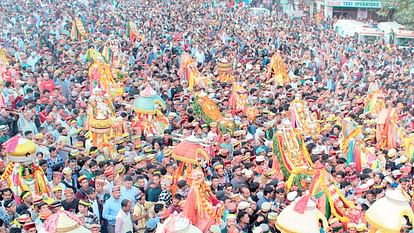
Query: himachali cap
{"x": 82, "y": 178}
{"x": 280, "y": 185}
{"x": 272, "y": 216}
{"x": 266, "y": 206}
{"x": 69, "y": 191}
{"x": 139, "y": 195}
{"x": 167, "y": 152}
{"x": 23, "y": 218}
{"x": 3, "y": 127}
{"x": 116, "y": 188}
{"x": 95, "y": 226}
{"x": 351, "y": 225}
{"x": 231, "y": 216}
{"x": 74, "y": 153}
{"x": 56, "y": 188}
{"x": 260, "y": 158}
{"x": 55, "y": 204}
{"x": 361, "y": 227}
{"x": 79, "y": 144}
{"x": 392, "y": 153}
{"x": 99, "y": 181}
{"x": 218, "y": 165}
{"x": 93, "y": 151}
{"x": 9, "y": 203}
{"x": 120, "y": 140}
{"x": 37, "y": 199}
{"x": 67, "y": 171}
{"x": 121, "y": 149}
{"x": 57, "y": 174}
{"x": 109, "y": 171}
{"x": 85, "y": 203}
{"x": 139, "y": 158}
{"x": 25, "y": 194}
{"x": 90, "y": 190}
{"x": 44, "y": 214}
{"x": 270, "y": 172}
{"x": 215, "y": 229}
{"x": 243, "y": 205}
{"x": 29, "y": 225}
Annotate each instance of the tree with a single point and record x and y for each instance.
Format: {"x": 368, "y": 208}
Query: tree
{"x": 401, "y": 11}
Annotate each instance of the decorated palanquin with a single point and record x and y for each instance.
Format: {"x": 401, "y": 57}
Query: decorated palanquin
{"x": 132, "y": 32}
{"x": 208, "y": 110}
{"x": 101, "y": 75}
{"x": 303, "y": 119}
{"x": 238, "y": 99}
{"x": 290, "y": 149}
{"x": 324, "y": 190}
{"x": 224, "y": 69}
{"x": 111, "y": 51}
{"x": 177, "y": 223}
{"x": 301, "y": 216}
{"x": 188, "y": 70}
{"x": 5, "y": 74}
{"x": 386, "y": 130}
{"x": 352, "y": 143}
{"x": 330, "y": 199}
{"x": 190, "y": 151}
{"x": 294, "y": 162}
{"x": 150, "y": 119}
{"x": 278, "y": 69}
{"x": 64, "y": 221}
{"x": 78, "y": 31}
{"x": 408, "y": 144}
{"x": 387, "y": 215}
{"x": 191, "y": 154}
{"x": 375, "y": 100}
{"x": 22, "y": 173}
{"x": 201, "y": 206}
{"x": 119, "y": 127}
{"x": 3, "y": 58}
{"x": 100, "y": 118}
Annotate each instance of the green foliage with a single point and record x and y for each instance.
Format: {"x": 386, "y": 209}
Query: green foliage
{"x": 401, "y": 11}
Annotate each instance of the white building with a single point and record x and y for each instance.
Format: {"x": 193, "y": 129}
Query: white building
{"x": 350, "y": 9}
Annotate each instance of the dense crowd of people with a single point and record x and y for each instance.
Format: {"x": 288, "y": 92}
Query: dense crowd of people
{"x": 45, "y": 90}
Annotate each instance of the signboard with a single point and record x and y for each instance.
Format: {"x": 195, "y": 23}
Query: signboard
{"x": 356, "y": 4}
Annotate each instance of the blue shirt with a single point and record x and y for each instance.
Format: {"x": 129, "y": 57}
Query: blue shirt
{"x": 51, "y": 164}
{"x": 129, "y": 194}
{"x": 110, "y": 210}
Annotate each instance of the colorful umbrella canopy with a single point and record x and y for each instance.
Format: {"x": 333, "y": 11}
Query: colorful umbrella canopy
{"x": 386, "y": 214}
{"x": 63, "y": 221}
{"x": 148, "y": 101}
{"x": 20, "y": 150}
{"x": 190, "y": 150}
{"x": 177, "y": 223}
{"x": 290, "y": 220}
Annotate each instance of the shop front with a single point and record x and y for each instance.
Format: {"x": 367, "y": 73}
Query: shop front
{"x": 349, "y": 9}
